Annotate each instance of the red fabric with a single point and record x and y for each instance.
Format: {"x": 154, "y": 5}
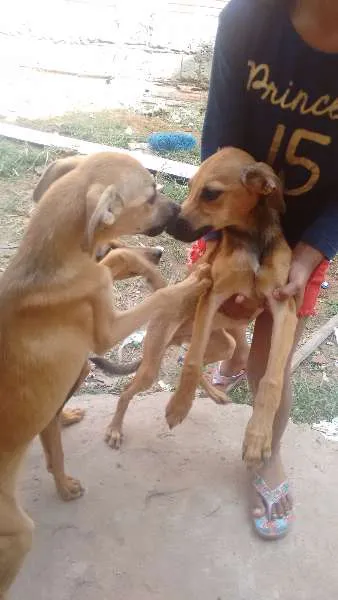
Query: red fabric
{"x": 196, "y": 250}
{"x": 312, "y": 289}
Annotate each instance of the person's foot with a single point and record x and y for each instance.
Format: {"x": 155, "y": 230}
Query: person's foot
{"x": 227, "y": 375}
{"x": 270, "y": 500}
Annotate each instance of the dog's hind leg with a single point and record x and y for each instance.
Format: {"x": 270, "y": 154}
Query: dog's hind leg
{"x": 159, "y": 334}
{"x": 181, "y": 402}
{"x": 16, "y": 528}
{"x": 67, "y": 487}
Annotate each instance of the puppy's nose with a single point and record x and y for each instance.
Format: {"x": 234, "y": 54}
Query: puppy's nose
{"x": 158, "y": 251}
{"x": 102, "y": 251}
{"x": 175, "y": 209}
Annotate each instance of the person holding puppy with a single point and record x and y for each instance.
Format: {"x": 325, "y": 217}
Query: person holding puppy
{"x": 274, "y": 93}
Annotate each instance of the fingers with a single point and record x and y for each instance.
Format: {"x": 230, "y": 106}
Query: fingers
{"x": 288, "y": 291}
{"x": 291, "y": 290}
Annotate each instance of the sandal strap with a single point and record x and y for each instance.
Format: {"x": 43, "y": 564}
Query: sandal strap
{"x": 219, "y": 379}
{"x": 268, "y": 495}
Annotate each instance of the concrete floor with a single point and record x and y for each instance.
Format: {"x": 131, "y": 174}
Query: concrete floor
{"x": 165, "y": 517}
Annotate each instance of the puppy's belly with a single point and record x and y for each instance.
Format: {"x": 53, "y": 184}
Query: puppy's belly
{"x": 246, "y": 310}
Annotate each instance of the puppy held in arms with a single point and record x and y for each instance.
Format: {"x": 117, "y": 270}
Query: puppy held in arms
{"x": 56, "y": 307}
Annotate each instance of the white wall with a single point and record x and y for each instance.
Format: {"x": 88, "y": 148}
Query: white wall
{"x": 149, "y": 39}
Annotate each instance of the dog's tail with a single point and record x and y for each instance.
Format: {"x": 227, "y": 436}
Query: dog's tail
{"x": 114, "y": 368}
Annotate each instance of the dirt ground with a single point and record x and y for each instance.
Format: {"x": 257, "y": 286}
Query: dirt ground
{"x": 166, "y": 516}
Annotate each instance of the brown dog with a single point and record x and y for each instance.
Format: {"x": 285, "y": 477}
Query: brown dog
{"x": 55, "y": 307}
{"x": 241, "y": 199}
{"x": 135, "y": 261}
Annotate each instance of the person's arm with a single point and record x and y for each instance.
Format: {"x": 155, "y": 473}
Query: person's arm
{"x": 305, "y": 259}
{"x": 323, "y": 233}
{"x": 319, "y": 242}
{"x": 225, "y": 114}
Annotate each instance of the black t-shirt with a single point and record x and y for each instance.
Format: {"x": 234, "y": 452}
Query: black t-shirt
{"x": 274, "y": 96}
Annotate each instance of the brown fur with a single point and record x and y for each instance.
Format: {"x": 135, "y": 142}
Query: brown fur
{"x": 135, "y": 260}
{"x": 55, "y": 308}
{"x": 242, "y": 199}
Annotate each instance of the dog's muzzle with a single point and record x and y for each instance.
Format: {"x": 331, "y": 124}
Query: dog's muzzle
{"x": 180, "y": 229}
{"x": 170, "y": 211}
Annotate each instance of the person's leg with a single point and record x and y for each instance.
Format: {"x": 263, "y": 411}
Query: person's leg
{"x": 230, "y": 370}
{"x": 273, "y": 471}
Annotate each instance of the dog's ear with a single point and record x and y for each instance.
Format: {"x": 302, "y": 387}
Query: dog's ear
{"x": 261, "y": 179}
{"x": 54, "y": 171}
{"x": 104, "y": 205}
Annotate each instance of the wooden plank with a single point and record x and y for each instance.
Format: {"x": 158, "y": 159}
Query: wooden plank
{"x": 315, "y": 340}
{"x": 156, "y": 164}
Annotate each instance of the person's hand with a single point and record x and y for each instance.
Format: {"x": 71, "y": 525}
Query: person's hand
{"x": 305, "y": 259}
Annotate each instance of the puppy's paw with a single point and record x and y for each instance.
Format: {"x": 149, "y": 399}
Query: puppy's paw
{"x": 196, "y": 283}
{"x": 176, "y": 412}
{"x": 256, "y": 446}
{"x": 219, "y": 397}
{"x": 69, "y": 488}
{"x": 200, "y": 279}
{"x": 70, "y": 416}
{"x": 113, "y": 437}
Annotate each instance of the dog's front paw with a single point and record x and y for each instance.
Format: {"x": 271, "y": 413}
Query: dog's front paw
{"x": 176, "y": 412}
{"x": 200, "y": 279}
{"x": 219, "y": 397}
{"x": 256, "y": 445}
{"x": 69, "y": 488}
{"x": 70, "y": 416}
{"x": 198, "y": 282}
{"x": 113, "y": 437}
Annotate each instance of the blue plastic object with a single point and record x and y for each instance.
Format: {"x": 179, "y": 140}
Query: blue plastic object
{"x": 166, "y": 141}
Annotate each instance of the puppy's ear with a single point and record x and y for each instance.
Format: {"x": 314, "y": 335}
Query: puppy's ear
{"x": 261, "y": 179}
{"x": 108, "y": 205}
{"x": 54, "y": 171}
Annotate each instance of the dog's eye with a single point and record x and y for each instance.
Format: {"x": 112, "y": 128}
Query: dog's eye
{"x": 208, "y": 195}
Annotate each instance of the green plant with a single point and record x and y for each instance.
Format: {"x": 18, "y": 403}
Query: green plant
{"x": 17, "y": 158}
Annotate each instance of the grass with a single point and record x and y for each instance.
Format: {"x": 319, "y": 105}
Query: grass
{"x": 120, "y": 127}
{"x": 313, "y": 402}
{"x": 92, "y": 127}
{"x": 331, "y": 308}
{"x": 17, "y": 158}
{"x": 172, "y": 189}
{"x": 115, "y": 128}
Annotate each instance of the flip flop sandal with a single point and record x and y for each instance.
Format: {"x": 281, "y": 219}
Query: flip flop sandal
{"x": 266, "y": 526}
{"x": 229, "y": 382}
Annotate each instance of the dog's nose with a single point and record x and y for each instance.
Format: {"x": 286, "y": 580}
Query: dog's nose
{"x": 158, "y": 251}
{"x": 102, "y": 251}
{"x": 181, "y": 229}
{"x": 175, "y": 210}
